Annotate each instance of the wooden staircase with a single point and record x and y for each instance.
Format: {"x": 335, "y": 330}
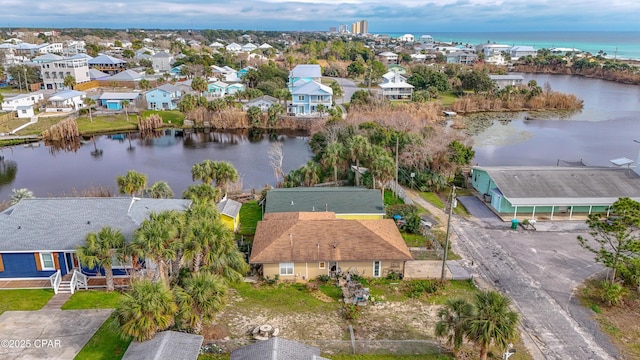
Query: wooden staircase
{"x": 65, "y": 287}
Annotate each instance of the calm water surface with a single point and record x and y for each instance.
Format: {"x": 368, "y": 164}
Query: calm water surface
{"x": 603, "y": 130}
{"x": 167, "y": 158}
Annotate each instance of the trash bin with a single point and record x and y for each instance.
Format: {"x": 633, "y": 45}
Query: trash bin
{"x": 514, "y": 224}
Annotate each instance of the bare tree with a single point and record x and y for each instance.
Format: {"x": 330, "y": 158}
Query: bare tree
{"x": 275, "y": 159}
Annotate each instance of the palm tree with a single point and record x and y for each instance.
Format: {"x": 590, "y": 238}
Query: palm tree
{"x": 144, "y": 84}
{"x": 99, "y": 251}
{"x": 311, "y": 173}
{"x": 333, "y": 155}
{"x": 19, "y": 194}
{"x": 149, "y": 307}
{"x": 160, "y": 190}
{"x": 157, "y": 239}
{"x": 201, "y": 296}
{"x": 203, "y": 192}
{"x": 454, "y": 317}
{"x": 494, "y": 322}
{"x": 131, "y": 183}
{"x": 225, "y": 174}
{"x": 89, "y": 103}
{"x": 125, "y": 104}
{"x": 203, "y": 171}
{"x": 383, "y": 167}
{"x": 199, "y": 85}
{"x": 69, "y": 81}
{"x": 357, "y": 148}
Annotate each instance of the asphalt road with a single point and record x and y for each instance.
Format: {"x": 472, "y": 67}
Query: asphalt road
{"x": 348, "y": 88}
{"x": 539, "y": 270}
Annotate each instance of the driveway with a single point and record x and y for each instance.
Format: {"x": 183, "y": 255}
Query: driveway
{"x": 47, "y": 334}
{"x": 539, "y": 270}
{"x": 348, "y": 88}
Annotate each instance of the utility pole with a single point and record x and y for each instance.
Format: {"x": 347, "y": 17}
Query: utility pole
{"x": 446, "y": 242}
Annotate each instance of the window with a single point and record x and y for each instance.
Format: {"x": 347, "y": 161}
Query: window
{"x": 286, "y": 268}
{"x": 117, "y": 262}
{"x": 301, "y": 97}
{"x": 321, "y": 265}
{"x": 46, "y": 261}
{"x": 376, "y": 268}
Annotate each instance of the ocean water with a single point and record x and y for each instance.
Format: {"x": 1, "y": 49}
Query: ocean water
{"x": 616, "y": 44}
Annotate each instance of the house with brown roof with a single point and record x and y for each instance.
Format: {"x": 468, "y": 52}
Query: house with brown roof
{"x": 303, "y": 245}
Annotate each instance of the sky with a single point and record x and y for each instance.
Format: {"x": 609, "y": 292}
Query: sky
{"x": 384, "y": 16}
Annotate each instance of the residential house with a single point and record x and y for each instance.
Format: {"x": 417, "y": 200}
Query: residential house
{"x": 388, "y": 58}
{"x": 265, "y": 46}
{"x": 45, "y": 58}
{"x": 249, "y": 47}
{"x": 95, "y": 74}
{"x": 167, "y": 344}
{"x": 263, "y": 102}
{"x": 345, "y": 202}
{"x": 54, "y": 48}
{"x": 162, "y": 61}
{"x": 397, "y": 69}
{"x": 406, "y": 38}
{"x": 234, "y": 48}
{"x": 395, "y": 87}
{"x": 45, "y": 232}
{"x": 234, "y": 88}
{"x": 517, "y": 52}
{"x": 461, "y": 57}
{"x": 307, "y": 96}
{"x": 54, "y": 72}
{"x": 225, "y": 73}
{"x": 490, "y": 50}
{"x": 113, "y": 101}
{"x": 217, "y": 89}
{"x": 164, "y": 97}
{"x": 505, "y": 80}
{"x": 527, "y": 191}
{"x": 66, "y": 101}
{"x": 426, "y": 39}
{"x": 229, "y": 212}
{"x": 305, "y": 245}
{"x": 12, "y": 103}
{"x": 242, "y": 72}
{"x": 107, "y": 64}
{"x": 25, "y": 111}
{"x": 277, "y": 348}
{"x": 306, "y": 73}
{"x": 216, "y": 45}
{"x": 73, "y": 47}
{"x": 126, "y": 75}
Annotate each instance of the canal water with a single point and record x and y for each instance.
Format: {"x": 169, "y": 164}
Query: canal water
{"x": 48, "y": 171}
{"x": 602, "y": 131}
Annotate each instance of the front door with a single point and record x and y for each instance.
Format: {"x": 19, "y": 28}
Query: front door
{"x": 71, "y": 261}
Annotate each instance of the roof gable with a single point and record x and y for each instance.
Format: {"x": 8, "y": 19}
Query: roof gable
{"x": 311, "y": 88}
{"x": 306, "y": 71}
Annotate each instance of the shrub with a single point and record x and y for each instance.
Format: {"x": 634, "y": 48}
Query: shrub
{"x": 612, "y": 294}
{"x": 270, "y": 281}
{"x": 394, "y": 276}
{"x": 323, "y": 278}
{"x": 351, "y": 312}
{"x": 416, "y": 288}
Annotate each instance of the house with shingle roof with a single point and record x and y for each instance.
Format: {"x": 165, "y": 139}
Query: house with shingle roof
{"x": 164, "y": 97}
{"x": 277, "y": 348}
{"x": 229, "y": 212}
{"x": 304, "y": 245}
{"x": 113, "y": 100}
{"x": 107, "y": 64}
{"x": 166, "y": 345}
{"x": 40, "y": 236}
{"x": 162, "y": 61}
{"x": 345, "y": 202}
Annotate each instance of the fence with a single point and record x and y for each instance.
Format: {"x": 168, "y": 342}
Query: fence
{"x": 334, "y": 347}
{"x": 399, "y": 190}
{"x": 6, "y": 117}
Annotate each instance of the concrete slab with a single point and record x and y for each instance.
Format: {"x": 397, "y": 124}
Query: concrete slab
{"x": 432, "y": 269}
{"x": 47, "y": 334}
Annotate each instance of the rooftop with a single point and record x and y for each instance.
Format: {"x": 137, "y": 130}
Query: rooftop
{"x": 341, "y": 200}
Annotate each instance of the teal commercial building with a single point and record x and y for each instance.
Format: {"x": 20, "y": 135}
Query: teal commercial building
{"x": 545, "y": 191}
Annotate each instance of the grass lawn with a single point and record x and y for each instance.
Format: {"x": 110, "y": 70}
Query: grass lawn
{"x": 283, "y": 297}
{"x": 24, "y": 299}
{"x": 447, "y": 98}
{"x": 101, "y": 124}
{"x": 621, "y": 323}
{"x": 214, "y": 356}
{"x": 106, "y": 343}
{"x": 250, "y": 214}
{"x": 389, "y": 357}
{"x": 173, "y": 117}
{"x": 390, "y": 198}
{"x": 433, "y": 199}
{"x": 93, "y": 299}
{"x": 441, "y": 236}
{"x": 414, "y": 240}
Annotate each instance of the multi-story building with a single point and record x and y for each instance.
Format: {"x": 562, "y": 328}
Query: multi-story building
{"x": 53, "y": 73}
{"x": 360, "y": 27}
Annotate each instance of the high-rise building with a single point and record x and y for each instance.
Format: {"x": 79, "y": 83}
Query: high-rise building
{"x": 360, "y": 27}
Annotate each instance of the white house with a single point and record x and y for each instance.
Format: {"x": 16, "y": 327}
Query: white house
{"x": 53, "y": 73}
{"x": 66, "y": 101}
{"x": 395, "y": 87}
{"x": 12, "y": 103}
{"x": 25, "y": 112}
{"x": 263, "y": 102}
{"x": 490, "y": 50}
{"x": 265, "y": 46}
{"x": 406, "y": 38}
{"x": 162, "y": 61}
{"x": 388, "y": 57}
{"x": 54, "y": 48}
{"x": 249, "y": 47}
{"x": 225, "y": 73}
{"x": 505, "y": 80}
{"x": 517, "y": 52}
{"x": 233, "y": 47}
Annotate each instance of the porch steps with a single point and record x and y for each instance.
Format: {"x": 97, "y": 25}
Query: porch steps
{"x": 57, "y": 301}
{"x": 65, "y": 287}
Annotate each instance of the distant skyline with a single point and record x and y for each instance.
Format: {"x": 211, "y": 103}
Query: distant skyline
{"x": 314, "y": 15}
